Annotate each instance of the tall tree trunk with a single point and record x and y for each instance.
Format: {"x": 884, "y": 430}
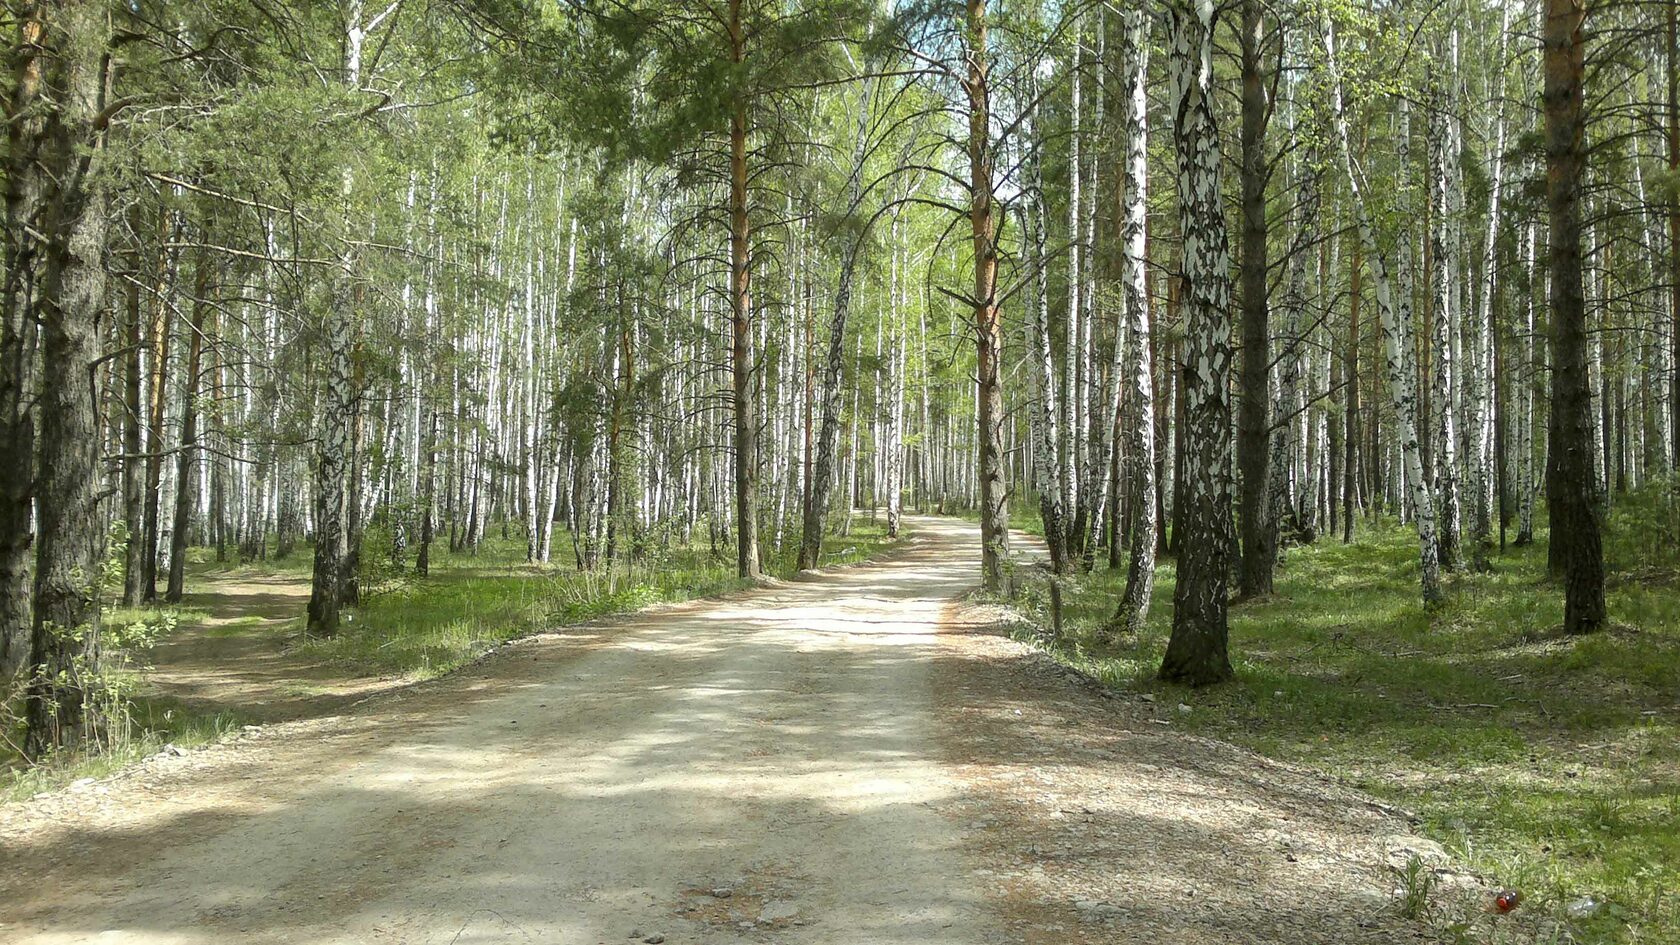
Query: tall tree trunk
{"x": 821, "y": 483}
{"x": 1259, "y": 532}
{"x": 156, "y": 408}
{"x": 1284, "y": 445}
{"x": 25, "y": 202}
{"x": 1046, "y": 421}
{"x": 1068, "y": 426}
{"x": 1350, "y": 464}
{"x": 988, "y": 331}
{"x": 186, "y": 468}
{"x": 133, "y": 464}
{"x": 1571, "y": 490}
{"x": 1196, "y": 652}
{"x": 71, "y": 305}
{"x": 1136, "y": 375}
{"x": 1444, "y": 263}
{"x": 1671, "y": 63}
{"x": 334, "y": 448}
{"x": 740, "y": 319}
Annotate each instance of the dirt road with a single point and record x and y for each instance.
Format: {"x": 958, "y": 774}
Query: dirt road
{"x": 837, "y": 760}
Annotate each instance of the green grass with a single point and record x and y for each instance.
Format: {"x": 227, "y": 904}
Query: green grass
{"x": 1547, "y": 763}
{"x": 474, "y": 602}
{"x": 152, "y": 725}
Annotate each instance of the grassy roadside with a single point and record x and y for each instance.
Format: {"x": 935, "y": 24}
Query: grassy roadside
{"x": 1547, "y": 763}
{"x": 406, "y": 627}
{"x": 474, "y": 602}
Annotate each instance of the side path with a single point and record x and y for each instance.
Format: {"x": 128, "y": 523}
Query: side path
{"x": 844, "y": 759}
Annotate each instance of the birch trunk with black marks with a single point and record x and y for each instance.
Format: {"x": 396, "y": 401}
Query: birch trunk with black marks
{"x": 1284, "y": 433}
{"x": 1444, "y": 253}
{"x": 1135, "y": 376}
{"x": 830, "y": 399}
{"x": 1197, "y": 650}
{"x": 338, "y": 410}
{"x": 1041, "y": 362}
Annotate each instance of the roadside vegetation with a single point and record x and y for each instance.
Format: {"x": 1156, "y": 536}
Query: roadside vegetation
{"x": 1546, "y": 763}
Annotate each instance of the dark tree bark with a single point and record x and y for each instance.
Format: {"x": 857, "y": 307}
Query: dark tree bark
{"x": 1196, "y": 652}
{"x": 988, "y": 331}
{"x": 71, "y": 305}
{"x": 747, "y": 563}
{"x": 133, "y": 467}
{"x": 1259, "y": 532}
{"x": 24, "y": 206}
{"x": 1571, "y": 489}
{"x": 186, "y": 460}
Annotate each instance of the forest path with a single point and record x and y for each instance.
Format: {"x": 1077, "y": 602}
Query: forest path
{"x": 843, "y": 759}
{"x": 240, "y": 657}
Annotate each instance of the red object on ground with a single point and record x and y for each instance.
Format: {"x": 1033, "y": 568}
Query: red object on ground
{"x": 1507, "y": 900}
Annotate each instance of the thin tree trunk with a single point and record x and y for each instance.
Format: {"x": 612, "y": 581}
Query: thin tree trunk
{"x": 1350, "y": 464}
{"x": 186, "y": 459}
{"x": 988, "y": 333}
{"x": 740, "y": 319}
{"x": 1138, "y": 370}
{"x": 1443, "y": 271}
{"x": 1046, "y": 421}
{"x": 831, "y": 399}
{"x": 133, "y": 466}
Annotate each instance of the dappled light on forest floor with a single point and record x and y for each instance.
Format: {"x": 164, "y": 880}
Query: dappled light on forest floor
{"x": 812, "y": 762}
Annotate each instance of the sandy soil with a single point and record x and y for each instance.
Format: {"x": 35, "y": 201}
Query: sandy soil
{"x": 851, "y": 758}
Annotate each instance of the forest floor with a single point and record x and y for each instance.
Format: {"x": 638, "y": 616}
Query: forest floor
{"x": 858, "y": 756}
